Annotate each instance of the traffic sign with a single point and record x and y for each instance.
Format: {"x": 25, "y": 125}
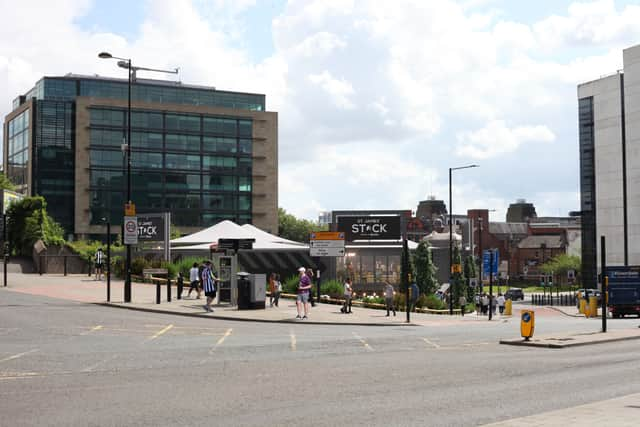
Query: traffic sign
{"x": 326, "y": 235}
{"x": 130, "y": 230}
{"x": 326, "y": 251}
{"x": 486, "y": 256}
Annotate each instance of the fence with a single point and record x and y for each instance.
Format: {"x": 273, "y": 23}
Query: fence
{"x": 549, "y": 299}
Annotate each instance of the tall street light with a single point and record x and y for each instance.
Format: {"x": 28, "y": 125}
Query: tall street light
{"x": 131, "y": 70}
{"x": 451, "y": 236}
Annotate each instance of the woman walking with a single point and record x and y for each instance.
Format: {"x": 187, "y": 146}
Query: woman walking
{"x": 273, "y": 289}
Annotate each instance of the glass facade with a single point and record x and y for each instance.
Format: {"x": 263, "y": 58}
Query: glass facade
{"x": 197, "y": 166}
{"x": 368, "y": 269}
{"x": 18, "y": 149}
{"x": 67, "y": 88}
{"x": 587, "y": 192}
{"x": 54, "y": 159}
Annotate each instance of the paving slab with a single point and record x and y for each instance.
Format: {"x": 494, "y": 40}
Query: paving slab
{"x": 576, "y": 339}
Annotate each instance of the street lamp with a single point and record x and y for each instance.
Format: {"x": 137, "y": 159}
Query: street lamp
{"x": 451, "y": 236}
{"x": 131, "y": 70}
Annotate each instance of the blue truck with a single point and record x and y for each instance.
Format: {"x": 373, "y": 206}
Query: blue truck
{"x": 624, "y": 290}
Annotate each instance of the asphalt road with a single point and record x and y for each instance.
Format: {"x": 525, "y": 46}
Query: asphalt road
{"x": 64, "y": 363}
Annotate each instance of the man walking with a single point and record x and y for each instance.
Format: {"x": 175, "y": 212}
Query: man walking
{"x": 209, "y": 285}
{"x": 388, "y": 298}
{"x": 194, "y": 280}
{"x": 414, "y": 294}
{"x": 302, "y": 301}
{"x": 99, "y": 263}
{"x": 347, "y": 296}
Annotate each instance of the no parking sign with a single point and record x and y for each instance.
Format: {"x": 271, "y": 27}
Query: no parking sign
{"x": 130, "y": 230}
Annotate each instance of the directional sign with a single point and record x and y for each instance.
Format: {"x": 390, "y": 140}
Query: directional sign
{"x": 485, "y": 262}
{"x": 130, "y": 230}
{"x": 326, "y": 243}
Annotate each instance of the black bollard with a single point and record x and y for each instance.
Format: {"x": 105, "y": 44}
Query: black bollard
{"x": 180, "y": 285}
{"x": 157, "y": 292}
{"x": 168, "y": 290}
{"x": 65, "y": 265}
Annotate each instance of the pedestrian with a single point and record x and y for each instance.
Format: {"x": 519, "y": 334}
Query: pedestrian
{"x": 414, "y": 294}
{"x": 485, "y": 304}
{"x": 388, "y": 298}
{"x": 208, "y": 284}
{"x": 309, "y": 272}
{"x": 463, "y": 302}
{"x": 346, "y": 308}
{"x": 302, "y": 300}
{"x": 494, "y": 304}
{"x": 273, "y": 288}
{"x": 278, "y": 290}
{"x": 477, "y": 301}
{"x": 194, "y": 281}
{"x": 99, "y": 263}
{"x": 501, "y": 302}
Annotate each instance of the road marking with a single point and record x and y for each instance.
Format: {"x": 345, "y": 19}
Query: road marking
{"x": 16, "y": 356}
{"x": 431, "y": 343}
{"x": 222, "y": 338}
{"x": 95, "y": 328}
{"x": 153, "y": 337}
{"x": 364, "y": 343}
{"x": 17, "y": 375}
{"x": 293, "y": 340}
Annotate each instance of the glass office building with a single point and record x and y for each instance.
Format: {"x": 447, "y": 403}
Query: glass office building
{"x": 202, "y": 154}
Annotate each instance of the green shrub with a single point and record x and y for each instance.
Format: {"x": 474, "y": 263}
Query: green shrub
{"x": 333, "y": 288}
{"x": 290, "y": 285}
{"x": 29, "y": 222}
{"x": 184, "y": 265}
{"x": 433, "y": 302}
{"x": 138, "y": 264}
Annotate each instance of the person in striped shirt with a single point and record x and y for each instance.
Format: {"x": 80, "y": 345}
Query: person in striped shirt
{"x": 208, "y": 284}
{"x": 99, "y": 263}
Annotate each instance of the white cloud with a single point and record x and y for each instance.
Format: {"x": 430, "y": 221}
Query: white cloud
{"x": 496, "y": 138}
{"x": 339, "y": 90}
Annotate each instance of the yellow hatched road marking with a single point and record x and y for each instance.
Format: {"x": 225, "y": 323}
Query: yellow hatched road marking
{"x": 160, "y": 332}
{"x": 222, "y": 338}
{"x": 16, "y": 356}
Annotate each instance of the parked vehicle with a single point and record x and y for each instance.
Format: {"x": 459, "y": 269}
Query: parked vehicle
{"x": 514, "y": 294}
{"x": 624, "y": 290}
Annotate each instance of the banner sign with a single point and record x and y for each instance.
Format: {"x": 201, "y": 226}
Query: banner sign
{"x": 370, "y": 227}
{"x": 151, "y": 227}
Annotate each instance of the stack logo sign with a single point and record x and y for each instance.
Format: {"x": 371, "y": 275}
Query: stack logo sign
{"x": 370, "y": 227}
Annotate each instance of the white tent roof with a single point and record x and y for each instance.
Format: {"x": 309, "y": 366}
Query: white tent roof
{"x": 222, "y": 230}
{"x": 204, "y": 239}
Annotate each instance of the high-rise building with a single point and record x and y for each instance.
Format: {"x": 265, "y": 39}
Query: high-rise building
{"x": 203, "y": 154}
{"x": 609, "y": 134}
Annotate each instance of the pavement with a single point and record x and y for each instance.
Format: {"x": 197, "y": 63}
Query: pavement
{"x": 619, "y": 412}
{"x": 82, "y": 288}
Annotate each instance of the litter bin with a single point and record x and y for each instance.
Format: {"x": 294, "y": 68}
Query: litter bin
{"x": 244, "y": 291}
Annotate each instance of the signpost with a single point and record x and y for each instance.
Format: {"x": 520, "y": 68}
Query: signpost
{"x": 326, "y": 243}
{"x": 489, "y": 262}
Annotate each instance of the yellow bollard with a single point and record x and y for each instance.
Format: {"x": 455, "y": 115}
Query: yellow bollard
{"x": 583, "y": 307}
{"x": 593, "y": 306}
{"x": 507, "y": 307}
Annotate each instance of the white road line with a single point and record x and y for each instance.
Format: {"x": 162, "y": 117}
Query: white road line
{"x": 95, "y": 328}
{"x": 222, "y": 338}
{"x": 17, "y": 375}
{"x": 16, "y": 356}
{"x": 431, "y": 343}
{"x": 364, "y": 343}
{"x": 160, "y": 333}
{"x": 293, "y": 340}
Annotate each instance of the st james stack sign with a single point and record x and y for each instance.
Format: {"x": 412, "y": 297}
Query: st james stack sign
{"x": 370, "y": 227}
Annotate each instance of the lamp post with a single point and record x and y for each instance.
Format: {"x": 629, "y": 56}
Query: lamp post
{"x": 131, "y": 70}
{"x": 451, "y": 236}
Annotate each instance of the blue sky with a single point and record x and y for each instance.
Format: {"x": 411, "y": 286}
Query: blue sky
{"x": 376, "y": 100}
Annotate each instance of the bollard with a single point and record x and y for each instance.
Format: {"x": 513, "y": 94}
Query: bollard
{"x": 157, "y": 292}
{"x": 168, "y": 290}
{"x": 507, "y": 307}
{"x": 65, "y": 265}
{"x": 583, "y": 306}
{"x": 593, "y": 306}
{"x": 41, "y": 265}
{"x": 180, "y": 286}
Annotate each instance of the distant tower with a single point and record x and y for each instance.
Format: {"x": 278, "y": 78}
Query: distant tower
{"x": 431, "y": 208}
{"x": 521, "y": 211}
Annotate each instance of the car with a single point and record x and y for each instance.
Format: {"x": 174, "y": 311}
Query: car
{"x": 514, "y": 294}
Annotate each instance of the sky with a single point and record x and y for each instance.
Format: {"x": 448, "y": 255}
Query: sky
{"x": 377, "y": 99}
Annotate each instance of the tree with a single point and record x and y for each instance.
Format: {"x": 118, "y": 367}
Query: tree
{"x": 5, "y": 183}
{"x": 29, "y": 222}
{"x": 292, "y": 228}
{"x": 469, "y": 272}
{"x": 561, "y": 264}
{"x": 425, "y": 269}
